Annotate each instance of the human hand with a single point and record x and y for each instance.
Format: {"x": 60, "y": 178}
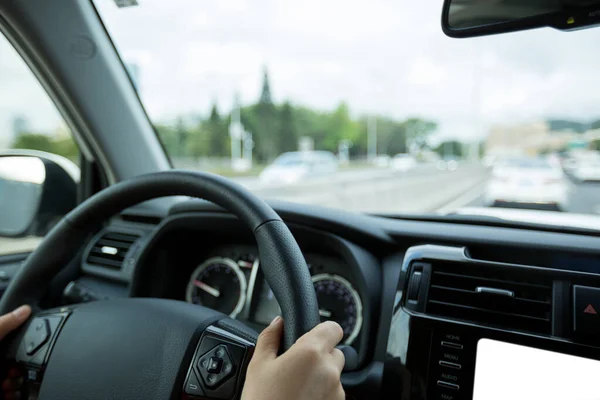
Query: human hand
{"x": 309, "y": 370}
{"x": 11, "y": 386}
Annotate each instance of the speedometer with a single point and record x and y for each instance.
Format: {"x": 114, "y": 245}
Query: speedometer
{"x": 218, "y": 283}
{"x": 339, "y": 302}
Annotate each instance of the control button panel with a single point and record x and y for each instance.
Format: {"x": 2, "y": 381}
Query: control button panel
{"x": 37, "y": 335}
{"x": 192, "y": 385}
{"x": 586, "y": 311}
{"x": 452, "y": 366}
{"x": 38, "y": 339}
{"x": 216, "y": 366}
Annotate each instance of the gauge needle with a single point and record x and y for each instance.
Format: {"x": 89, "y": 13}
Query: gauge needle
{"x": 325, "y": 313}
{"x": 245, "y": 264}
{"x": 208, "y": 289}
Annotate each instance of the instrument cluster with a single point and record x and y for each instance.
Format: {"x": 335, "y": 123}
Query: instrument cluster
{"x": 231, "y": 281}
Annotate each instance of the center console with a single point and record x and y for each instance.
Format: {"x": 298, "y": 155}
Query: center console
{"x": 473, "y": 329}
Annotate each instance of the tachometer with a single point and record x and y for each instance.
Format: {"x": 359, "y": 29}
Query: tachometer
{"x": 339, "y": 302}
{"x": 218, "y": 283}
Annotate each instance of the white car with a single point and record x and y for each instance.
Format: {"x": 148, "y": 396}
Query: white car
{"x": 447, "y": 165}
{"x": 527, "y": 182}
{"x": 296, "y": 166}
{"x": 403, "y": 162}
{"x": 588, "y": 170}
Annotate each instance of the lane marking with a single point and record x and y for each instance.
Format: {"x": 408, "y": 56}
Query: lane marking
{"x": 463, "y": 199}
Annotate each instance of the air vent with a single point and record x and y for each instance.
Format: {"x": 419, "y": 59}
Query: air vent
{"x": 110, "y": 250}
{"x": 490, "y": 296}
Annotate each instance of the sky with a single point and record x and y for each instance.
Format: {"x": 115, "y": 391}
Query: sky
{"x": 385, "y": 57}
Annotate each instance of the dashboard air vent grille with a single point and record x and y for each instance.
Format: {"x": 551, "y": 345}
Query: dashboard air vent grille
{"x": 110, "y": 250}
{"x": 490, "y": 296}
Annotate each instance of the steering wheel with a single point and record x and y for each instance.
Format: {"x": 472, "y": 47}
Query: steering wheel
{"x": 152, "y": 348}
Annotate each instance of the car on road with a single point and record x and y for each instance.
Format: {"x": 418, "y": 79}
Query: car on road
{"x": 403, "y": 162}
{"x": 449, "y": 164}
{"x": 527, "y": 183}
{"x": 382, "y": 161}
{"x": 295, "y": 166}
{"x": 588, "y": 169}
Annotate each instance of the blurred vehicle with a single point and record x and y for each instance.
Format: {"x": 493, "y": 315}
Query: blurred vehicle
{"x": 488, "y": 161}
{"x": 403, "y": 162}
{"x": 295, "y": 166}
{"x": 447, "y": 165}
{"x": 569, "y": 164}
{"x": 382, "y": 161}
{"x": 527, "y": 183}
{"x": 588, "y": 169}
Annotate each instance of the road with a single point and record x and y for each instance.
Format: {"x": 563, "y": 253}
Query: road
{"x": 378, "y": 190}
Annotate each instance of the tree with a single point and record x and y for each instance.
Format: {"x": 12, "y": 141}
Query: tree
{"x": 62, "y": 146}
{"x": 265, "y": 95}
{"x": 215, "y": 130}
{"x": 265, "y": 123}
{"x": 287, "y": 138}
{"x": 340, "y": 127}
{"x": 418, "y": 130}
{"x": 450, "y": 148}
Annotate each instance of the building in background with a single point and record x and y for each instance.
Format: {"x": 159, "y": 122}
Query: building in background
{"x": 529, "y": 139}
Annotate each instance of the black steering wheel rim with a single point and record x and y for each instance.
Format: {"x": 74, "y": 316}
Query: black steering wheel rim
{"x": 281, "y": 259}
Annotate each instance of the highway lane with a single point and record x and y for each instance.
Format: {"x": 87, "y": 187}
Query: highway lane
{"x": 373, "y": 190}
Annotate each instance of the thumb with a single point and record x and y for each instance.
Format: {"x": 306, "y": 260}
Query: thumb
{"x": 11, "y": 321}
{"x": 269, "y": 340}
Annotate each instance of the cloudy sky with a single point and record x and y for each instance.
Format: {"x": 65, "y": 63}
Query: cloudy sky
{"x": 380, "y": 56}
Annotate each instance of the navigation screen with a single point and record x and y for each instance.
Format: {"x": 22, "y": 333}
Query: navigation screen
{"x": 508, "y": 371}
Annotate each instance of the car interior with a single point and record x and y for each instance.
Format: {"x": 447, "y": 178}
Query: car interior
{"x": 148, "y": 273}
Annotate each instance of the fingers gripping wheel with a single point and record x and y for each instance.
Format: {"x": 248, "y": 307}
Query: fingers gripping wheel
{"x": 282, "y": 263}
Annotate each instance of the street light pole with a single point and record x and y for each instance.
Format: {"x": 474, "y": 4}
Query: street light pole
{"x": 372, "y": 138}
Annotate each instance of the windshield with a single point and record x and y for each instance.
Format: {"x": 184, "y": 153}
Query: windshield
{"x": 408, "y": 120}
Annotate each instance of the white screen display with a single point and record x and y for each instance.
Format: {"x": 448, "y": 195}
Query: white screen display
{"x": 506, "y": 371}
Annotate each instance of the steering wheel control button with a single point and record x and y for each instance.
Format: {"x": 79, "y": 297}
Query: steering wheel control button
{"x": 214, "y": 365}
{"x": 37, "y": 335}
{"x": 192, "y": 385}
{"x": 586, "y": 311}
{"x": 211, "y": 366}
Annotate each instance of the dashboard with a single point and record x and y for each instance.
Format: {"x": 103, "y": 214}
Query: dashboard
{"x": 435, "y": 309}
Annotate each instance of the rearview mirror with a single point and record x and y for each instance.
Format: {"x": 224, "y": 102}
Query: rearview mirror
{"x": 35, "y": 192}
{"x": 468, "y": 18}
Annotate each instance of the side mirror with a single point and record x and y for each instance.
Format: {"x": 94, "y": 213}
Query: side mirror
{"x": 468, "y": 18}
{"x": 36, "y": 190}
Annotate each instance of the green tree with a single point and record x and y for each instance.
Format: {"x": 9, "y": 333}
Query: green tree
{"x": 450, "y": 148}
{"x": 215, "y": 131}
{"x": 595, "y": 145}
{"x": 418, "y": 130}
{"x": 168, "y": 138}
{"x": 340, "y": 126}
{"x": 265, "y": 123}
{"x": 62, "y": 146}
{"x": 287, "y": 138}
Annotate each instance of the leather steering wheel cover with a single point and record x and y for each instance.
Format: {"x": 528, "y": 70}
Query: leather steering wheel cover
{"x": 281, "y": 259}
